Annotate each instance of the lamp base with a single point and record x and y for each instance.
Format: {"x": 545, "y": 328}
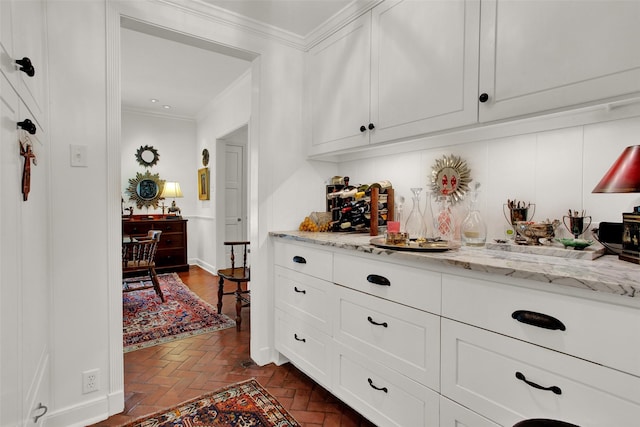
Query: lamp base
{"x": 630, "y": 237}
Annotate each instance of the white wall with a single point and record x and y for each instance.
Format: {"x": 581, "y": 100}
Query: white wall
{"x": 175, "y": 140}
{"x": 228, "y": 112}
{"x": 556, "y": 170}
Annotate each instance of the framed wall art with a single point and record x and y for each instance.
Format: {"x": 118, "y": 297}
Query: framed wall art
{"x": 203, "y": 184}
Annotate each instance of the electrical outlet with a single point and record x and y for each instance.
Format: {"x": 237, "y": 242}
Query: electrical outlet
{"x": 90, "y": 381}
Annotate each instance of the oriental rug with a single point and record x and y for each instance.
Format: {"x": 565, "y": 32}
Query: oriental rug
{"x": 239, "y": 405}
{"x": 147, "y": 321}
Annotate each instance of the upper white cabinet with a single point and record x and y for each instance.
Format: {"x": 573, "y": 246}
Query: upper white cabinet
{"x": 403, "y": 69}
{"x": 541, "y": 56}
{"x": 338, "y": 88}
{"x": 411, "y": 68}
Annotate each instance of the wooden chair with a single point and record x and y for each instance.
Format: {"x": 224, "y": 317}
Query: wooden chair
{"x": 139, "y": 256}
{"x": 239, "y": 275}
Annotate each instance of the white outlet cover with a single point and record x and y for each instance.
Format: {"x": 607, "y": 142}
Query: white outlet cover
{"x": 90, "y": 381}
{"x": 78, "y": 155}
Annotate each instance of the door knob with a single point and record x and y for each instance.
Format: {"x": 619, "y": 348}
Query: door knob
{"x": 26, "y": 66}
{"x": 27, "y": 125}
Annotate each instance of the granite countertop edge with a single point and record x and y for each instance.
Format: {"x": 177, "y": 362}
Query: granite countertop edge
{"x": 606, "y": 274}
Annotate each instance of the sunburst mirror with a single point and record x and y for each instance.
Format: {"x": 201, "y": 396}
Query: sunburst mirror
{"x": 450, "y": 176}
{"x": 145, "y": 189}
{"x": 147, "y": 156}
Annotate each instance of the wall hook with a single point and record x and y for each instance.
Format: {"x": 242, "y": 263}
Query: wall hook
{"x": 26, "y": 66}
{"x": 27, "y": 125}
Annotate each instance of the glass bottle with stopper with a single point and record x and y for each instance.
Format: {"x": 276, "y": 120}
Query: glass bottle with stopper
{"x": 415, "y": 225}
{"x": 473, "y": 230}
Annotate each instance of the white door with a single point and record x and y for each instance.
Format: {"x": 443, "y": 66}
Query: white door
{"x": 235, "y": 210}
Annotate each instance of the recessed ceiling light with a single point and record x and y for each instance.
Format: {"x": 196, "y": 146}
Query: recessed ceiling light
{"x": 153, "y": 100}
{"x": 166, "y": 107}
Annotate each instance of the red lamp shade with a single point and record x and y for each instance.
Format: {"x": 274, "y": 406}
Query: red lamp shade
{"x": 624, "y": 175}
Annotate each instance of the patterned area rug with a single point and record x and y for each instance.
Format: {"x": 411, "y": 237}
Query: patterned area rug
{"x": 147, "y": 321}
{"x": 239, "y": 405}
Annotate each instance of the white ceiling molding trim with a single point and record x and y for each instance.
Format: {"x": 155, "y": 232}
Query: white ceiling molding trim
{"x": 339, "y": 20}
{"x": 231, "y": 19}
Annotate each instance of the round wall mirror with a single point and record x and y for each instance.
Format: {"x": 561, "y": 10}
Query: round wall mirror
{"x": 147, "y": 156}
{"x": 145, "y": 189}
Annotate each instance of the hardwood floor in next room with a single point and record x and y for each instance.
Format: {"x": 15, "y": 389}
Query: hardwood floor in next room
{"x": 162, "y": 376}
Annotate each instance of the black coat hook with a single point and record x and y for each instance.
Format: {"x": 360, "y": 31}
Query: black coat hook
{"x": 27, "y": 125}
{"x": 26, "y": 66}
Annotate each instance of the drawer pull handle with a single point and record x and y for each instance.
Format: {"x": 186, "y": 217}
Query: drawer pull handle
{"x": 378, "y": 280}
{"x": 376, "y": 323}
{"x": 538, "y": 319}
{"x": 299, "y": 260}
{"x": 553, "y": 388}
{"x": 299, "y": 339}
{"x": 42, "y": 408}
{"x": 373, "y": 386}
{"x": 300, "y": 291}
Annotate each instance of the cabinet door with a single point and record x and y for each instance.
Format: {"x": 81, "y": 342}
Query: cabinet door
{"x": 338, "y": 88}
{"x": 29, "y": 26}
{"x": 539, "y": 56}
{"x": 424, "y": 65}
{"x": 454, "y": 415}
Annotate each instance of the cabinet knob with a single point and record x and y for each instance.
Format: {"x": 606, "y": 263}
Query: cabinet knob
{"x": 371, "y": 126}
{"x": 483, "y": 97}
{"x": 299, "y": 260}
{"x": 26, "y": 66}
{"x": 362, "y": 128}
{"x": 27, "y": 125}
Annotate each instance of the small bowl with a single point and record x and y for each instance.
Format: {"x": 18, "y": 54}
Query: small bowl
{"x": 577, "y": 244}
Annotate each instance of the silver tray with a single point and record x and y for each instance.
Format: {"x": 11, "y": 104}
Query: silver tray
{"x": 439, "y": 246}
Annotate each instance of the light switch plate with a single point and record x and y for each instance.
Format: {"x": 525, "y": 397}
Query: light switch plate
{"x": 78, "y": 156}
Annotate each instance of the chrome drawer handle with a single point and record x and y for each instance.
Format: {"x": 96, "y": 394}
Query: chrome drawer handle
{"x": 373, "y": 386}
{"x": 378, "y": 280}
{"x": 299, "y": 339}
{"x": 553, "y": 388}
{"x": 376, "y": 323}
{"x": 538, "y": 319}
{"x": 299, "y": 260}
{"x": 300, "y": 291}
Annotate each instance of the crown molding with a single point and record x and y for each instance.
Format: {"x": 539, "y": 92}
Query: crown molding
{"x": 266, "y": 31}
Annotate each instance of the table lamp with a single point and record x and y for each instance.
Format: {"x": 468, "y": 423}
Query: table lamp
{"x": 172, "y": 189}
{"x": 624, "y": 177}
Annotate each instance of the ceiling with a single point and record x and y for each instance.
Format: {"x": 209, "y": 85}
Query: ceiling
{"x": 185, "y": 77}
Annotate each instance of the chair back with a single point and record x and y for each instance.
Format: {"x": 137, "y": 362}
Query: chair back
{"x": 242, "y": 246}
{"x": 141, "y": 253}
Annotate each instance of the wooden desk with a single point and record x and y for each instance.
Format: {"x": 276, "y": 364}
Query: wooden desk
{"x": 172, "y": 249}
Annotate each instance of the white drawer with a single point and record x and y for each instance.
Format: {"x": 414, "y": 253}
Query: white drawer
{"x": 454, "y": 415}
{"x": 385, "y": 397}
{"x": 303, "y": 297}
{"x": 407, "y": 285}
{"x": 480, "y": 370}
{"x": 306, "y": 347}
{"x": 304, "y": 259}
{"x": 597, "y": 331}
{"x": 402, "y": 338}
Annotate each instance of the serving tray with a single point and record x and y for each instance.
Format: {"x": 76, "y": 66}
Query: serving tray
{"x": 439, "y": 246}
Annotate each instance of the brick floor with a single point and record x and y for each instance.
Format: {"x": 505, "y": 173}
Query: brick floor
{"x": 162, "y": 376}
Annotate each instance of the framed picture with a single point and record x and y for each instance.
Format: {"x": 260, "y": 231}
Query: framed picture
{"x": 203, "y": 184}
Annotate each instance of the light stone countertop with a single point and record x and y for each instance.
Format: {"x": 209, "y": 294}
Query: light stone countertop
{"x": 605, "y": 274}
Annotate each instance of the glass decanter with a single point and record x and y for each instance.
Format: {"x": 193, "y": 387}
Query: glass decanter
{"x": 428, "y": 217}
{"x": 443, "y": 218}
{"x": 473, "y": 230}
{"x": 415, "y": 226}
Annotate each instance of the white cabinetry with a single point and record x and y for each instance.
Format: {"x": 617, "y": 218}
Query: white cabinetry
{"x": 24, "y": 247}
{"x": 540, "y": 56}
{"x": 412, "y": 68}
{"x": 405, "y": 68}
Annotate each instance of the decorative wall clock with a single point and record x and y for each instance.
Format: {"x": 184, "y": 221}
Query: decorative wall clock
{"x": 450, "y": 176}
{"x": 147, "y": 156}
